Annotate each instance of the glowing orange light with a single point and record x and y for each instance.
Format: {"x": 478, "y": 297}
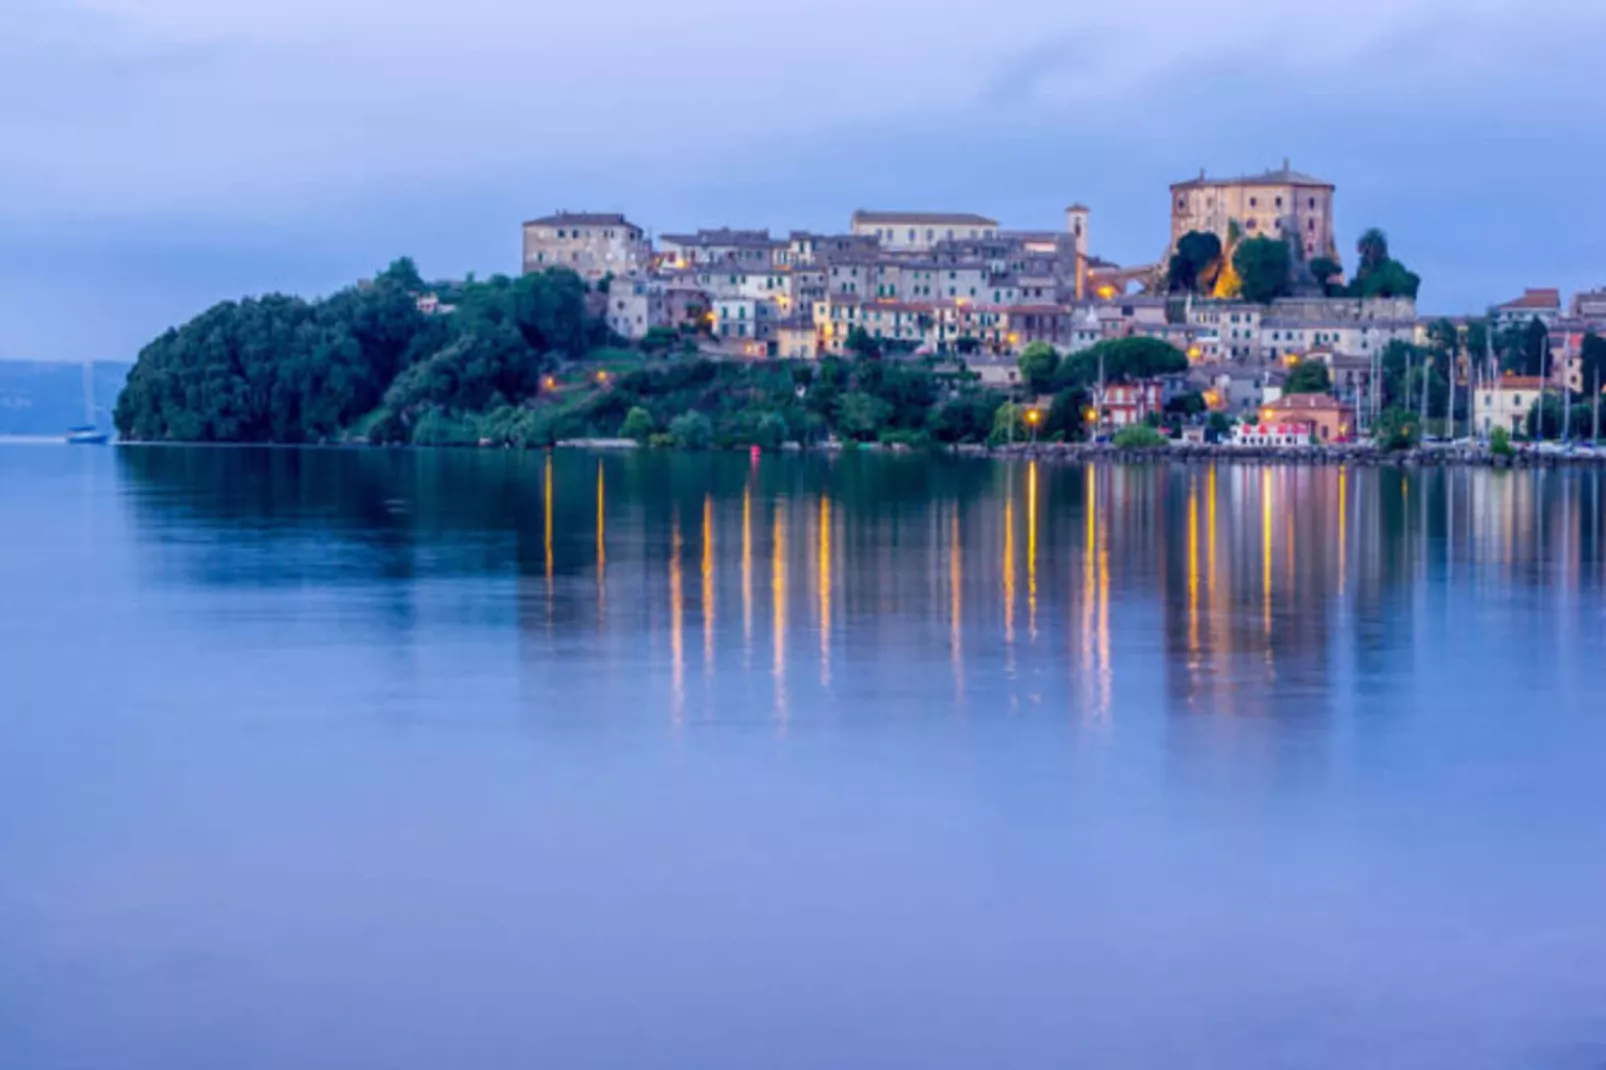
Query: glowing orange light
{"x": 602, "y": 377}
{"x": 1032, "y": 416}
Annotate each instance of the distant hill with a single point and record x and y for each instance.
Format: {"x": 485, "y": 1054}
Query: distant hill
{"x": 40, "y": 397}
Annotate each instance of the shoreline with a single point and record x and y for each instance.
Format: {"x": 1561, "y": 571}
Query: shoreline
{"x": 1439, "y": 455}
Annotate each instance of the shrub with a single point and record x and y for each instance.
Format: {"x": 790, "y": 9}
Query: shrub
{"x": 638, "y": 424}
{"x": 692, "y": 431}
{"x": 1500, "y": 442}
{"x": 914, "y": 440}
{"x": 771, "y": 431}
{"x": 1139, "y": 437}
{"x": 437, "y": 428}
{"x": 1396, "y": 430}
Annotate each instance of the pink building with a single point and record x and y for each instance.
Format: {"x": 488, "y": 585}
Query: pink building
{"x": 1131, "y": 403}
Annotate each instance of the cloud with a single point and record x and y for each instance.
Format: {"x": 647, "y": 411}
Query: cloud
{"x": 188, "y": 150}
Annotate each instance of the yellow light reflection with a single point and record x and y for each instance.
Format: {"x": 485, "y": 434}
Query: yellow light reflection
{"x": 778, "y": 605}
{"x": 1031, "y": 549}
{"x": 825, "y": 590}
{"x": 677, "y": 640}
{"x": 547, "y": 525}
{"x": 708, "y": 584}
{"x": 1089, "y": 544}
{"x": 1193, "y": 571}
{"x": 1009, "y": 576}
{"x": 1343, "y": 529}
{"x": 1105, "y": 671}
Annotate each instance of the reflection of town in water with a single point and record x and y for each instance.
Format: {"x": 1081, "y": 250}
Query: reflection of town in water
{"x": 787, "y": 588}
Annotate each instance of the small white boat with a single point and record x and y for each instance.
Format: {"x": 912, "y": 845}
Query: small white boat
{"x": 87, "y": 434}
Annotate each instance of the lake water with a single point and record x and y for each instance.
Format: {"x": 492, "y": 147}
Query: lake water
{"x": 412, "y": 760}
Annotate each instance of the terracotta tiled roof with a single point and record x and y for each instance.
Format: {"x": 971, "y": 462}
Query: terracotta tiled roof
{"x": 1541, "y": 299}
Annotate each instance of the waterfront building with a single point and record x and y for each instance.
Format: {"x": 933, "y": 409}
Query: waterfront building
{"x": 1505, "y": 402}
{"x": 593, "y": 244}
{"x": 1284, "y": 203}
{"x": 1329, "y": 419}
{"x": 1126, "y": 404}
{"x": 1283, "y": 433}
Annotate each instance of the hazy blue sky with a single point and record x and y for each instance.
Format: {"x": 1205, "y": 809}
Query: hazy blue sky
{"x": 158, "y": 155}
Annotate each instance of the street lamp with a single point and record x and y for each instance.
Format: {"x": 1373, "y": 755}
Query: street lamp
{"x": 1033, "y": 417}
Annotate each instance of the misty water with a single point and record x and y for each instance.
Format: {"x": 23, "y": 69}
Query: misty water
{"x": 407, "y": 760}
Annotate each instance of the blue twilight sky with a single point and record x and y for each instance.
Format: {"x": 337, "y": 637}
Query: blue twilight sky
{"x": 158, "y": 155}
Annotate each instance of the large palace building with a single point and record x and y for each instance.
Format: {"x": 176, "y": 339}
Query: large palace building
{"x": 1277, "y": 204}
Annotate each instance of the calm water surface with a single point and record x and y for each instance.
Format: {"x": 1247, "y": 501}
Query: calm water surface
{"x": 422, "y": 760}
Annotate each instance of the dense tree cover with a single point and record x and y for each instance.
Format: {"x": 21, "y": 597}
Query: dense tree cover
{"x": 1378, "y": 274}
{"x": 1193, "y": 265}
{"x": 1310, "y": 377}
{"x": 282, "y": 369}
{"x": 1397, "y": 429}
{"x": 1547, "y": 418}
{"x": 1038, "y": 363}
{"x": 1406, "y": 368}
{"x": 1122, "y": 360}
{"x": 1263, "y": 266}
{"x": 1522, "y": 348}
{"x": 1327, "y": 271}
{"x": 1139, "y": 437}
{"x": 1592, "y": 361}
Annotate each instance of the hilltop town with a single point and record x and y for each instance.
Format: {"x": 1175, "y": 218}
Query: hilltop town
{"x": 1252, "y": 286}
{"x": 907, "y": 328}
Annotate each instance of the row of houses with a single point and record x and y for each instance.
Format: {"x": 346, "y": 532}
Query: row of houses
{"x": 953, "y": 282}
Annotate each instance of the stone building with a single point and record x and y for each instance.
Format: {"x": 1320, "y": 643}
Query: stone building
{"x": 904, "y": 232}
{"x": 1284, "y": 204}
{"x": 1505, "y": 402}
{"x": 592, "y": 244}
{"x": 1542, "y": 304}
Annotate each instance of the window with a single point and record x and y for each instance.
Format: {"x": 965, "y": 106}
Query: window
{"x": 911, "y": 234}
{"x": 560, "y": 233}
{"x": 1313, "y": 203}
{"x": 931, "y": 235}
{"x": 1251, "y": 224}
{"x": 1310, "y": 225}
{"x": 1254, "y": 202}
{"x": 1182, "y": 204}
{"x": 1279, "y": 202}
